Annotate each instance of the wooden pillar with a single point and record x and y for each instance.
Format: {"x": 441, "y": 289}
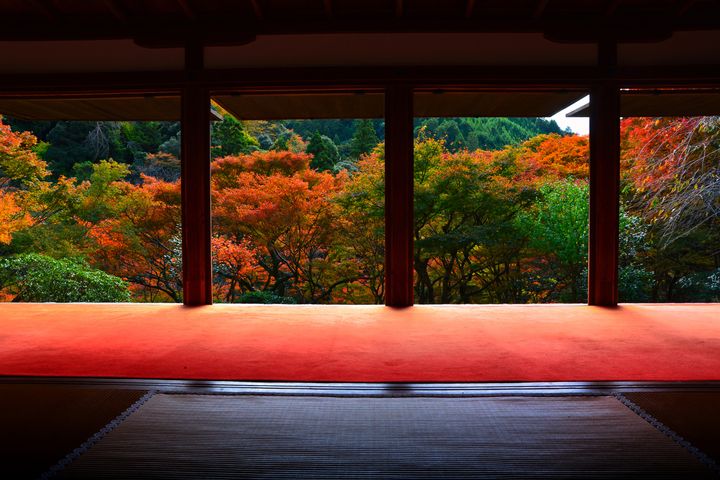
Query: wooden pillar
{"x": 399, "y": 196}
{"x": 195, "y": 186}
{"x": 604, "y": 187}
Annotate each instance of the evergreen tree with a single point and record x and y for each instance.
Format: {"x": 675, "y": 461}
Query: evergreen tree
{"x": 324, "y": 151}
{"x": 136, "y": 140}
{"x": 452, "y": 134}
{"x": 68, "y": 146}
{"x": 229, "y": 137}
{"x": 364, "y": 140}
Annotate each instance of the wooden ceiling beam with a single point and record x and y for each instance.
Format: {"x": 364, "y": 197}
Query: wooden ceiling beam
{"x": 469, "y": 8}
{"x": 187, "y": 9}
{"x": 540, "y": 8}
{"x": 325, "y": 79}
{"x": 257, "y": 9}
{"x": 637, "y": 27}
{"x": 612, "y": 7}
{"x": 117, "y": 11}
{"x": 685, "y": 6}
{"x": 44, "y": 7}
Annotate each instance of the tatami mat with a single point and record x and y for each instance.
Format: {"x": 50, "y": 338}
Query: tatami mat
{"x": 215, "y": 436}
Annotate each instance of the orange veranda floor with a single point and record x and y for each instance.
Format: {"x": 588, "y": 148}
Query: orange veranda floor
{"x": 363, "y": 343}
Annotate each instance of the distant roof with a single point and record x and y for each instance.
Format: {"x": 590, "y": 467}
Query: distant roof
{"x": 663, "y": 103}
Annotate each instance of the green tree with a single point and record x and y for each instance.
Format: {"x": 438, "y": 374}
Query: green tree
{"x": 263, "y": 297}
{"x": 364, "y": 139}
{"x": 449, "y": 130}
{"x": 33, "y": 277}
{"x": 557, "y": 231}
{"x": 288, "y": 141}
{"x": 634, "y": 281}
{"x": 229, "y": 137}
{"x": 466, "y": 244}
{"x": 362, "y": 239}
{"x": 68, "y": 146}
{"x": 324, "y": 151}
{"x": 132, "y": 141}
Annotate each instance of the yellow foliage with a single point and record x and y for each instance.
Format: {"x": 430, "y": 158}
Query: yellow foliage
{"x": 12, "y": 217}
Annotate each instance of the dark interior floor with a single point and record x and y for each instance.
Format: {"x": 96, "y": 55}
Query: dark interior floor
{"x": 45, "y": 420}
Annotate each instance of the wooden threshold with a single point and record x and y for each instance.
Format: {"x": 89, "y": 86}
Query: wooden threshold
{"x": 393, "y": 389}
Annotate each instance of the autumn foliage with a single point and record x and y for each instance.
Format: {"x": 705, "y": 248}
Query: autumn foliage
{"x": 506, "y": 225}
{"x": 672, "y": 183}
{"x": 128, "y": 229}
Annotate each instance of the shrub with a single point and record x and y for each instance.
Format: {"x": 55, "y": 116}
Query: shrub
{"x": 38, "y": 278}
{"x": 263, "y": 297}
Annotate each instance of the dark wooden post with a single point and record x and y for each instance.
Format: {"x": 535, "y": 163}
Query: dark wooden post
{"x": 604, "y": 186}
{"x": 195, "y": 185}
{"x": 399, "y": 196}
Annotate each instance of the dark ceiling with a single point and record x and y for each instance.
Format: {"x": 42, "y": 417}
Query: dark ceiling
{"x": 159, "y": 23}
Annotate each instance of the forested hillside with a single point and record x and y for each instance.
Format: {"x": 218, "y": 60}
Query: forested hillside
{"x": 459, "y": 133}
{"x": 70, "y": 147}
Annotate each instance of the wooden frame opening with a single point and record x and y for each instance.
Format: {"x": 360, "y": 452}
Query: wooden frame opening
{"x": 605, "y": 82}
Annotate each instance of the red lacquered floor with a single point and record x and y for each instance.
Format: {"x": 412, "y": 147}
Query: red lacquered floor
{"x": 363, "y": 343}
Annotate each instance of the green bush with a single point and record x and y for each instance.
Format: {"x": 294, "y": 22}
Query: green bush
{"x": 263, "y": 297}
{"x": 38, "y": 278}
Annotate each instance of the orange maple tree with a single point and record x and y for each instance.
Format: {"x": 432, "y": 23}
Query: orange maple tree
{"x": 272, "y": 207}
{"x": 133, "y": 231}
{"x": 20, "y": 168}
{"x": 673, "y": 167}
